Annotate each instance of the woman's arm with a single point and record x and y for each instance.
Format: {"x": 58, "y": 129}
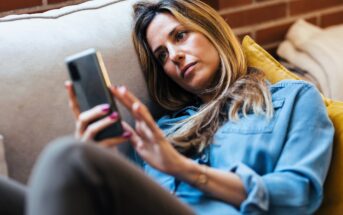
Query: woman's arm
{"x": 294, "y": 186}
{"x": 226, "y": 186}
{"x": 150, "y": 143}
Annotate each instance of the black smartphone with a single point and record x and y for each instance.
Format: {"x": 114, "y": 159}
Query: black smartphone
{"x": 90, "y": 82}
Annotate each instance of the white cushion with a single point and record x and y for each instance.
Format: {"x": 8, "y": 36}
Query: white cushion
{"x": 302, "y": 60}
{"x": 324, "y": 47}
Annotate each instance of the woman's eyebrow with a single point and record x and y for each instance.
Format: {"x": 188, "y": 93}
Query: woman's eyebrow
{"x": 170, "y": 34}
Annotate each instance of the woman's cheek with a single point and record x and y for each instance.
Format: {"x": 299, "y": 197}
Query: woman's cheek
{"x": 170, "y": 71}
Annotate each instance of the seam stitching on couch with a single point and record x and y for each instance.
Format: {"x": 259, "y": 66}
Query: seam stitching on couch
{"x": 61, "y": 15}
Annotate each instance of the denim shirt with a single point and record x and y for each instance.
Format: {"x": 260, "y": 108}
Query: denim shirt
{"x": 282, "y": 161}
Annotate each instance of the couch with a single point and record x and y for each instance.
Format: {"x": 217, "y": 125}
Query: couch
{"x": 318, "y": 51}
{"x": 33, "y": 102}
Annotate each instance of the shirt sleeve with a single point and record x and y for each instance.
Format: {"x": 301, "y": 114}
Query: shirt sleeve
{"x": 296, "y": 184}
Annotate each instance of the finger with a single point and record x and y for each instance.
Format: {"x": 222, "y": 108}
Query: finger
{"x": 120, "y": 139}
{"x": 73, "y": 104}
{"x": 124, "y": 96}
{"x": 93, "y": 129}
{"x": 135, "y": 139}
{"x": 137, "y": 108}
{"x": 145, "y": 132}
{"x": 143, "y": 113}
{"x": 86, "y": 117}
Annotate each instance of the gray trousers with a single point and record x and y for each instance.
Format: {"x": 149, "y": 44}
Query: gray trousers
{"x": 72, "y": 178}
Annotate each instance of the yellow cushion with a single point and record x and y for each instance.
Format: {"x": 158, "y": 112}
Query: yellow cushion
{"x": 333, "y": 188}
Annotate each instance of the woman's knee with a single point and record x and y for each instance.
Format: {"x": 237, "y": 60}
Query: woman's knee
{"x": 70, "y": 158}
{"x": 60, "y": 164}
{"x": 60, "y": 149}
{"x": 60, "y": 155}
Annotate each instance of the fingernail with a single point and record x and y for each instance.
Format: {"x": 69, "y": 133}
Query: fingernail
{"x": 122, "y": 89}
{"x": 114, "y": 116}
{"x": 67, "y": 83}
{"x": 105, "y": 108}
{"x": 127, "y": 134}
{"x": 135, "y": 106}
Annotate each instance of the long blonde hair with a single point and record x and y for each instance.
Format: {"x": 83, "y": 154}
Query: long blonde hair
{"x": 237, "y": 88}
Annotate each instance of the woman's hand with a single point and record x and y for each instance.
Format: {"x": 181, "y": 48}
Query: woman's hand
{"x": 147, "y": 138}
{"x": 86, "y": 125}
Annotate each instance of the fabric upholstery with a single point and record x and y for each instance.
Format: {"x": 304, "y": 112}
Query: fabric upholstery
{"x": 333, "y": 188}
{"x": 3, "y": 164}
{"x": 317, "y": 50}
{"x": 34, "y": 107}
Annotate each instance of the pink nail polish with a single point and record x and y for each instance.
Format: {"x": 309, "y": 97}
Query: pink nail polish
{"x": 127, "y": 134}
{"x": 105, "y": 108}
{"x": 114, "y": 116}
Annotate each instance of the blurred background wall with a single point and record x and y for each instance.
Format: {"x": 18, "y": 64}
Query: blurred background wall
{"x": 267, "y": 21}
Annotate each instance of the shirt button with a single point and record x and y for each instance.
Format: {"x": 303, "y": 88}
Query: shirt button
{"x": 203, "y": 158}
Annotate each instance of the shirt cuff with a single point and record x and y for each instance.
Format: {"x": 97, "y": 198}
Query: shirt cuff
{"x": 257, "y": 200}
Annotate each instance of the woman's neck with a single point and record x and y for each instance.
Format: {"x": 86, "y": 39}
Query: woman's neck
{"x": 205, "y": 98}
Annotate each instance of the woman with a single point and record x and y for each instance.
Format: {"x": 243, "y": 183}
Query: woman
{"x": 232, "y": 144}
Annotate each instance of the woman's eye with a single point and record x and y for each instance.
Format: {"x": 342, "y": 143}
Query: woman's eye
{"x": 180, "y": 35}
{"x": 162, "y": 57}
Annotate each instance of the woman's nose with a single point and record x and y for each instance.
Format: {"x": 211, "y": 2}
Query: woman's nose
{"x": 176, "y": 55}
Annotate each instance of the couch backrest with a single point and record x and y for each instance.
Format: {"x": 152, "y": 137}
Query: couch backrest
{"x": 33, "y": 102}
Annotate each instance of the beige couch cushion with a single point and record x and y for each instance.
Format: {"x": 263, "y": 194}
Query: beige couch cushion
{"x": 3, "y": 164}
{"x": 33, "y": 101}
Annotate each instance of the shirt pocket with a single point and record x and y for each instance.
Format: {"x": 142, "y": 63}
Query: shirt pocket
{"x": 254, "y": 123}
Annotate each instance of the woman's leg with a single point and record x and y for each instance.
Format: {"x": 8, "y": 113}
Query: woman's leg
{"x": 73, "y": 178}
{"x": 12, "y": 197}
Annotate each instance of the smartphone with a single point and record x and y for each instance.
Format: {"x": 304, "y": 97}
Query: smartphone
{"x": 90, "y": 82}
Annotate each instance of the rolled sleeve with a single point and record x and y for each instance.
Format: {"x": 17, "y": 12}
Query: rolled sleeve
{"x": 257, "y": 201}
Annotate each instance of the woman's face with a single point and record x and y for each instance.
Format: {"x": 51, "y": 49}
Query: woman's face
{"x": 187, "y": 57}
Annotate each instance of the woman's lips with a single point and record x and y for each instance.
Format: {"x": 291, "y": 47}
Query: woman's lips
{"x": 188, "y": 69}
